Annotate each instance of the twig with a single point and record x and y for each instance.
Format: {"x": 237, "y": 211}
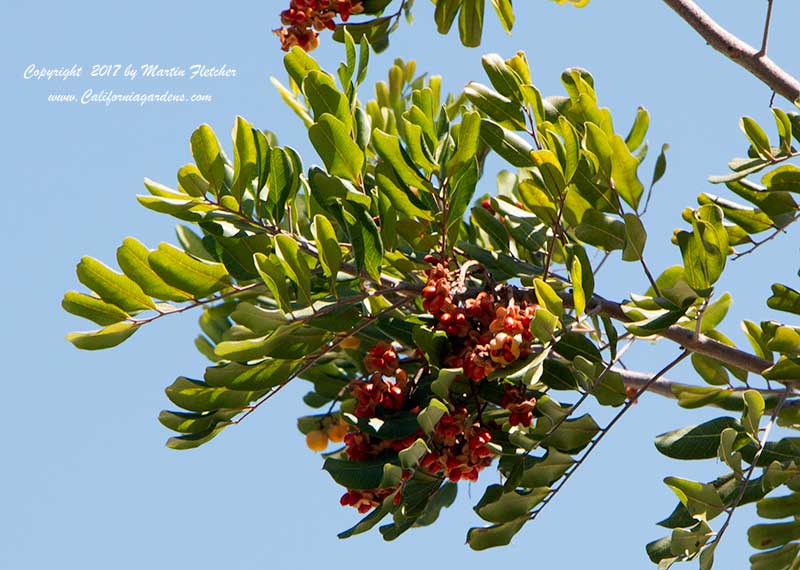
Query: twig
{"x": 670, "y": 388}
{"x": 761, "y": 444}
{"x": 765, "y": 39}
{"x": 596, "y": 441}
{"x": 738, "y": 51}
{"x": 772, "y": 236}
{"x": 312, "y": 361}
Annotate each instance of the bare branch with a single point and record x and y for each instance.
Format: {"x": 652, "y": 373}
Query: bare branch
{"x": 753, "y": 60}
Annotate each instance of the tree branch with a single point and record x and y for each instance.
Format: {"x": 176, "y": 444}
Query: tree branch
{"x": 669, "y": 388}
{"x": 753, "y": 60}
{"x": 699, "y": 344}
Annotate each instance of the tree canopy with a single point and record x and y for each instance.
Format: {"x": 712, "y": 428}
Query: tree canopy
{"x": 443, "y": 332}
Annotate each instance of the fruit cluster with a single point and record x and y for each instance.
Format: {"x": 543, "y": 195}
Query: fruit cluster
{"x": 459, "y": 449}
{"x": 304, "y": 19}
{"x": 317, "y": 440}
{"x": 486, "y": 333}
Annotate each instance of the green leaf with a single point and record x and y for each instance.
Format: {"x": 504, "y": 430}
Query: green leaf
{"x": 638, "y": 130}
{"x": 610, "y": 390}
{"x": 463, "y": 185}
{"x": 502, "y": 77}
{"x": 133, "y": 259}
{"x": 209, "y": 156}
{"x": 712, "y": 371}
{"x": 262, "y": 376}
{"x": 193, "y": 440}
{"x": 753, "y": 410}
{"x": 198, "y": 396}
{"x": 695, "y": 442}
{"x": 192, "y": 182}
{"x": 757, "y": 136}
{"x": 705, "y": 249}
{"x": 191, "y": 422}
{"x": 494, "y": 228}
{"x": 779, "y": 507}
{"x": 765, "y": 536}
{"x": 299, "y": 64}
{"x": 467, "y": 141}
{"x": 196, "y": 277}
{"x": 411, "y": 455}
{"x": 244, "y": 157}
{"x": 430, "y": 416}
{"x": 572, "y": 344}
{"x": 623, "y": 171}
{"x": 389, "y": 149}
{"x": 327, "y": 245}
{"x": 661, "y": 165}
{"x": 497, "y": 107}
{"x": 113, "y": 287}
{"x": 635, "y": 238}
{"x": 274, "y": 276}
{"x": 498, "y": 506}
{"x": 292, "y": 341}
{"x": 443, "y": 498}
{"x": 784, "y": 299}
{"x": 398, "y": 193}
{"x": 715, "y": 313}
{"x": 107, "y": 337}
{"x": 701, "y": 499}
{"x": 601, "y": 230}
{"x": 495, "y": 535}
{"x": 510, "y": 146}
{"x": 547, "y": 297}
{"x": 787, "y": 368}
{"x": 445, "y": 14}
{"x": 355, "y": 474}
{"x": 539, "y": 471}
{"x": 294, "y": 262}
{"x": 341, "y": 155}
{"x": 366, "y": 240}
{"x": 470, "y": 22}
{"x": 571, "y": 436}
{"x": 580, "y": 271}
{"x": 785, "y": 178}
{"x": 544, "y": 324}
{"x": 505, "y": 13}
{"x": 92, "y": 308}
{"x": 778, "y": 559}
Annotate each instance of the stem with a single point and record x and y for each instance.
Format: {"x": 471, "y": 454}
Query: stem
{"x": 595, "y": 442}
{"x": 199, "y": 303}
{"x": 738, "y": 51}
{"x": 761, "y": 444}
{"x": 312, "y": 361}
{"x": 669, "y": 388}
{"x": 765, "y": 39}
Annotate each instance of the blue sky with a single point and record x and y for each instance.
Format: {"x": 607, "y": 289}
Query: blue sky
{"x": 87, "y": 482}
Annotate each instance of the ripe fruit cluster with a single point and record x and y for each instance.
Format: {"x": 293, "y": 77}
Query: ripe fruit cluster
{"x": 459, "y": 449}
{"x": 304, "y": 19}
{"x": 486, "y": 333}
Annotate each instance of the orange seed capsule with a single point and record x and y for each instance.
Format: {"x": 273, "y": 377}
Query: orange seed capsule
{"x": 317, "y": 440}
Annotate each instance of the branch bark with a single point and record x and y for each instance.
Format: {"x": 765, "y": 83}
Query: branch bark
{"x": 740, "y": 52}
{"x": 700, "y": 344}
{"x": 670, "y": 388}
